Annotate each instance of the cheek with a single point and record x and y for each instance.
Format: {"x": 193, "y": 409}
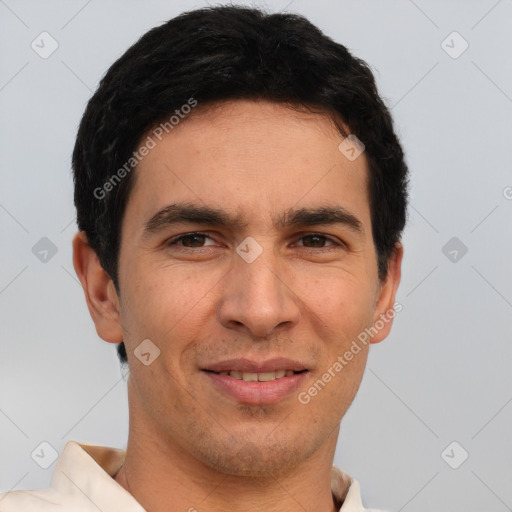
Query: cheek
{"x": 162, "y": 300}
{"x": 329, "y": 395}
{"x": 341, "y": 301}
{"x": 342, "y": 309}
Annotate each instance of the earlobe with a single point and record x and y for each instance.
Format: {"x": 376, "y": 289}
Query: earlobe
{"x": 385, "y": 309}
{"x": 99, "y": 290}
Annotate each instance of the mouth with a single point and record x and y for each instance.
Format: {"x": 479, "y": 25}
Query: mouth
{"x": 258, "y": 377}
{"x": 256, "y": 383}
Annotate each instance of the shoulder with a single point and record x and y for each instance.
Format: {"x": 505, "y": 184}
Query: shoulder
{"x": 82, "y": 482}
{"x": 347, "y": 491}
{"x": 43, "y": 500}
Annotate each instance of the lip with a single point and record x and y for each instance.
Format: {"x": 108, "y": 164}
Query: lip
{"x": 246, "y": 365}
{"x": 256, "y": 393}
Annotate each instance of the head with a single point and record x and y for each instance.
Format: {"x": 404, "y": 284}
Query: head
{"x": 226, "y": 123}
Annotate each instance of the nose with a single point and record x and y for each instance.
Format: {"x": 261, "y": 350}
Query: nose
{"x": 258, "y": 297}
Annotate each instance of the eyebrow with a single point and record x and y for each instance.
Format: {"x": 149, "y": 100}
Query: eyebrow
{"x": 188, "y": 213}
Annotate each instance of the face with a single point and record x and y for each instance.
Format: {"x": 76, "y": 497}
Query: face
{"x": 253, "y": 292}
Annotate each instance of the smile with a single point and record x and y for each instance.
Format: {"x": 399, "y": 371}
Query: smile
{"x": 258, "y": 377}
{"x": 256, "y": 388}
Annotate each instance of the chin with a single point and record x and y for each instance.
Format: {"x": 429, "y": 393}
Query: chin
{"x": 268, "y": 458}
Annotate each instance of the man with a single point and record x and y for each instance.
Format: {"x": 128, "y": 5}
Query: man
{"x": 240, "y": 196}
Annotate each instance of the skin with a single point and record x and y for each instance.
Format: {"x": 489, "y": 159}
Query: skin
{"x": 199, "y": 302}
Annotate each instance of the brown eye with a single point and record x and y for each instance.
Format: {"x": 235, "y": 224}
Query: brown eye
{"x": 193, "y": 240}
{"x": 190, "y": 240}
{"x": 315, "y": 241}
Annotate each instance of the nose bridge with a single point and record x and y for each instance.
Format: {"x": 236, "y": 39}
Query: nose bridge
{"x": 256, "y": 294}
{"x": 260, "y": 277}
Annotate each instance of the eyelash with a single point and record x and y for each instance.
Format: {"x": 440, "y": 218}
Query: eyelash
{"x": 336, "y": 244}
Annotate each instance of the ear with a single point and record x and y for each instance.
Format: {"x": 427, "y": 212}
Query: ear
{"x": 99, "y": 289}
{"x": 384, "y": 309}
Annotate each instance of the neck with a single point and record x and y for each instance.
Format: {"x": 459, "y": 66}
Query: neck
{"x": 173, "y": 490}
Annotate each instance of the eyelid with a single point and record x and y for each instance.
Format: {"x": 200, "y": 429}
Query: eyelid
{"x": 177, "y": 238}
{"x": 335, "y": 241}
{"x": 330, "y": 238}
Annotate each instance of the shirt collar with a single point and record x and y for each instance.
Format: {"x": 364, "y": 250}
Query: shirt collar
{"x": 86, "y": 472}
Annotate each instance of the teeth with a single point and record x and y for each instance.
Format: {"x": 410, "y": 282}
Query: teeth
{"x": 261, "y": 377}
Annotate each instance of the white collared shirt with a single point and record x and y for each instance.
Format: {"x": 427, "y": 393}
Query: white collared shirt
{"x": 83, "y": 481}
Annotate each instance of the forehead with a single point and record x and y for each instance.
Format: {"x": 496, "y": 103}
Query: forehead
{"x": 253, "y": 158}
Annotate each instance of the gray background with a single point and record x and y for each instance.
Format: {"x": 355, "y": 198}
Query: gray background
{"x": 443, "y": 375}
